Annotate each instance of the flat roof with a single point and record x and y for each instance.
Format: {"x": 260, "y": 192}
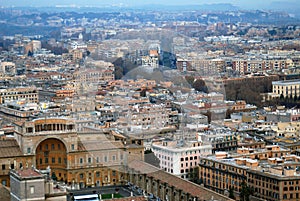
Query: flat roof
{"x": 286, "y": 82}
{"x": 28, "y": 174}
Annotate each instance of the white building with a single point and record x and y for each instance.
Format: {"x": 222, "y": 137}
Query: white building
{"x": 180, "y": 157}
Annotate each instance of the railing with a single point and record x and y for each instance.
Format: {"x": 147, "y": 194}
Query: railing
{"x": 53, "y": 132}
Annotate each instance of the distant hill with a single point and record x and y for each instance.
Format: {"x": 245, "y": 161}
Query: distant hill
{"x": 204, "y": 7}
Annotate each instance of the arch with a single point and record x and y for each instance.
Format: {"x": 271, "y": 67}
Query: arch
{"x": 52, "y": 152}
{"x": 51, "y": 137}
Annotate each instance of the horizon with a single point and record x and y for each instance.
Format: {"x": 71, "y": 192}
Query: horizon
{"x": 241, "y": 4}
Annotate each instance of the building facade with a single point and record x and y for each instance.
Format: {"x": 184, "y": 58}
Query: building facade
{"x": 22, "y": 93}
{"x": 167, "y": 186}
{"x": 179, "y": 157}
{"x": 85, "y": 158}
{"x": 270, "y": 173}
{"x": 27, "y": 184}
{"x": 287, "y": 88}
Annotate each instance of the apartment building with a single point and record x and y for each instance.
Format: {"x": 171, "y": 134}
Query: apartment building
{"x": 286, "y": 88}
{"x": 180, "y": 157}
{"x": 248, "y": 65}
{"x": 21, "y": 93}
{"x": 271, "y": 173}
{"x": 206, "y": 66}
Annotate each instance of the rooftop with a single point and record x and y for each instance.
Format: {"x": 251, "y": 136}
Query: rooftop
{"x": 286, "y": 82}
{"x": 171, "y": 180}
{"x": 9, "y": 148}
{"x": 28, "y": 174}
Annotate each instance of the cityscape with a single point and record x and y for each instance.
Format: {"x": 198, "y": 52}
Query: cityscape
{"x": 143, "y": 101}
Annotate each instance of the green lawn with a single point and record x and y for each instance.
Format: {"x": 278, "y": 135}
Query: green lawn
{"x": 108, "y": 196}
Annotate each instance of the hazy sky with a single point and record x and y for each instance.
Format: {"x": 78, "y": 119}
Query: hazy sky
{"x": 240, "y": 3}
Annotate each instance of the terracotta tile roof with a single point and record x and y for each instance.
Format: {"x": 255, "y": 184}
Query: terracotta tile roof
{"x": 9, "y": 148}
{"x": 172, "y": 180}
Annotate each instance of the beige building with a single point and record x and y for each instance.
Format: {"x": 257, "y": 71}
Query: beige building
{"x": 91, "y": 157}
{"x": 21, "y": 93}
{"x": 287, "y": 88}
{"x": 8, "y": 68}
{"x": 272, "y": 173}
{"x": 247, "y": 66}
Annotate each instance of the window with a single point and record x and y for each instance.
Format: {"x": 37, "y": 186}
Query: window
{"x": 81, "y": 176}
{"x": 3, "y": 167}
{"x": 58, "y": 146}
{"x": 97, "y": 174}
{"x": 114, "y": 158}
{"x": 46, "y": 146}
{"x": 81, "y": 160}
{"x": 53, "y": 160}
{"x": 72, "y": 147}
{"x": 59, "y": 160}
{"x": 105, "y": 158}
{"x": 89, "y": 160}
{"x": 28, "y": 150}
{"x": 46, "y": 160}
{"x": 52, "y": 146}
{"x": 12, "y": 166}
{"x": 41, "y": 161}
{"x": 31, "y": 189}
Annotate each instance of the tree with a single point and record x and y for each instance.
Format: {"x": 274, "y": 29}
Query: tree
{"x": 53, "y": 176}
{"x": 200, "y": 85}
{"x": 281, "y": 96}
{"x": 228, "y": 113}
{"x": 143, "y": 93}
{"x": 231, "y": 193}
{"x": 190, "y": 79}
{"x": 209, "y": 116}
{"x": 29, "y": 54}
{"x": 246, "y": 191}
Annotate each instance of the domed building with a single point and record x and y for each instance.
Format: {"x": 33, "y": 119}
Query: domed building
{"x": 92, "y": 157}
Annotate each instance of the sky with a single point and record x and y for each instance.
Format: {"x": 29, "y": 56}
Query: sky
{"x": 256, "y": 4}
